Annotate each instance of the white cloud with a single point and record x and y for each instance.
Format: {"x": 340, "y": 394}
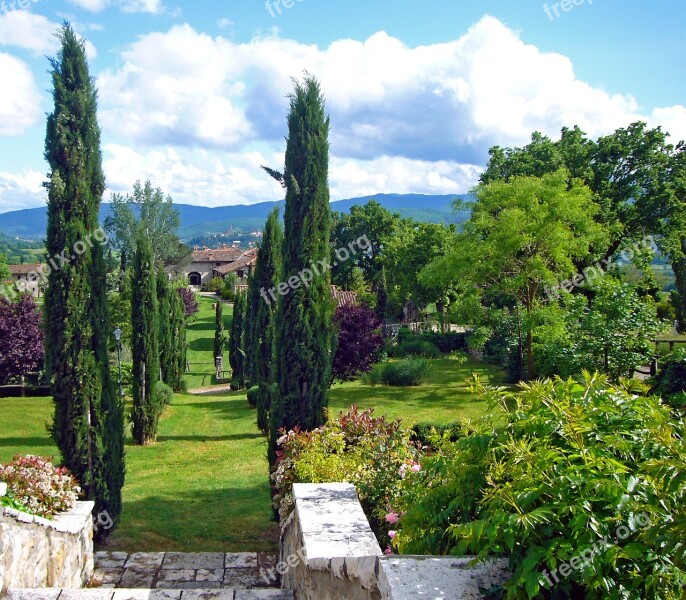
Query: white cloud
{"x": 21, "y": 190}
{"x": 19, "y": 97}
{"x": 127, "y": 6}
{"x": 448, "y": 101}
{"x": 33, "y": 32}
{"x": 672, "y": 119}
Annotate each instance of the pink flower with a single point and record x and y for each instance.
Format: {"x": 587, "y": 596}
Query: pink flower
{"x": 392, "y": 534}
{"x": 392, "y": 518}
{"x": 416, "y": 468}
{"x": 402, "y": 470}
{"x": 388, "y": 550}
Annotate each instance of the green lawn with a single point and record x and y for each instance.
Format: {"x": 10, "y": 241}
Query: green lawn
{"x": 444, "y": 398}
{"x": 204, "y": 485}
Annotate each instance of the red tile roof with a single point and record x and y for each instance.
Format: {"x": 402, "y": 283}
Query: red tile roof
{"x": 222, "y": 255}
{"x": 343, "y": 298}
{"x": 26, "y": 269}
{"x": 248, "y": 259}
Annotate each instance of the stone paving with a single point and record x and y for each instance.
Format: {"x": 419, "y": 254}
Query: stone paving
{"x": 177, "y": 570}
{"x": 111, "y": 594}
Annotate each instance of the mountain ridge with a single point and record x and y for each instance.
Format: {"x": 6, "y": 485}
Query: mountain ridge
{"x": 31, "y": 223}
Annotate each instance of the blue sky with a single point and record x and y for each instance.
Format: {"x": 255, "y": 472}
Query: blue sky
{"x": 192, "y": 94}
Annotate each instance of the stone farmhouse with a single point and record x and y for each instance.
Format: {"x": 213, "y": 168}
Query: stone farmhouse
{"x": 207, "y": 264}
{"x": 27, "y": 279}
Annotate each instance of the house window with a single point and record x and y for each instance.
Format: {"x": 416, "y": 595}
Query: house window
{"x": 194, "y": 279}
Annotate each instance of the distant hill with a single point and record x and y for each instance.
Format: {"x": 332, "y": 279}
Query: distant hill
{"x": 31, "y": 223}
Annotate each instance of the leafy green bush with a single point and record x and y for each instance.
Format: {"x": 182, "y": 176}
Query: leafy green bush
{"x": 37, "y": 487}
{"x": 670, "y": 382}
{"x": 253, "y": 394}
{"x": 370, "y": 452}
{"x": 405, "y": 372}
{"x": 579, "y": 485}
{"x": 215, "y": 285}
{"x": 414, "y": 348}
{"x": 164, "y": 394}
{"x": 426, "y": 433}
{"x": 446, "y": 342}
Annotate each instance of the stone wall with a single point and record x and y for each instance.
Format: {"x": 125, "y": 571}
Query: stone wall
{"x": 329, "y": 552}
{"x": 37, "y": 553}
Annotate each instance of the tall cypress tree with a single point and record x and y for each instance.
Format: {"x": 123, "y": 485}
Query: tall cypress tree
{"x": 250, "y": 335}
{"x": 178, "y": 319}
{"x": 267, "y": 274}
{"x": 218, "y": 331}
{"x": 147, "y": 407}
{"x": 382, "y": 296}
{"x": 236, "y": 341}
{"x": 88, "y": 425}
{"x": 304, "y": 330}
{"x": 165, "y": 328}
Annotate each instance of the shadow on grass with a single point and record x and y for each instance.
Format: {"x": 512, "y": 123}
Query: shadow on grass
{"x": 232, "y": 519}
{"x": 208, "y": 438}
{"x": 45, "y": 442}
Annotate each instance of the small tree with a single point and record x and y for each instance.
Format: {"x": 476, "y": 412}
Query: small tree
{"x": 165, "y": 327}
{"x": 146, "y": 366}
{"x": 178, "y": 366}
{"x": 236, "y": 350}
{"x": 218, "y": 331}
{"x": 190, "y": 302}
{"x": 22, "y": 334}
{"x": 358, "y": 341}
{"x": 382, "y": 296}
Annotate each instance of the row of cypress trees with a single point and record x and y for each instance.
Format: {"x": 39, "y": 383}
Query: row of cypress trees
{"x": 289, "y": 339}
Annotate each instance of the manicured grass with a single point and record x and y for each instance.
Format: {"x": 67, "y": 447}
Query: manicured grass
{"x": 444, "y": 398}
{"x": 200, "y": 337}
{"x": 204, "y": 485}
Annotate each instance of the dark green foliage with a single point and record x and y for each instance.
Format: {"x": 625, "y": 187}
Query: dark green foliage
{"x": 236, "y": 341}
{"x": 416, "y": 347}
{"x": 250, "y": 337}
{"x": 218, "y": 332}
{"x": 177, "y": 365}
{"x": 552, "y": 474}
{"x": 88, "y": 426}
{"x": 670, "y": 382}
{"x": 165, "y": 328}
{"x": 253, "y": 394}
{"x": 446, "y": 342}
{"x": 267, "y": 273}
{"x": 425, "y": 433}
{"x": 382, "y": 296}
{"x": 146, "y": 357}
{"x": 303, "y": 340}
{"x": 408, "y": 371}
{"x": 163, "y": 395}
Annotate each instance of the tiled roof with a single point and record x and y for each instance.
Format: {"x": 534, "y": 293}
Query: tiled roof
{"x": 26, "y": 269}
{"x": 247, "y": 259}
{"x": 221, "y": 255}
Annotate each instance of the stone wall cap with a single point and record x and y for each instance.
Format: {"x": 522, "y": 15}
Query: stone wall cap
{"x": 71, "y": 521}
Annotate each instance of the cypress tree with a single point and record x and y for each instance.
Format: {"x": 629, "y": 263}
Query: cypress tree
{"x": 250, "y": 336}
{"x": 267, "y": 273}
{"x": 147, "y": 407}
{"x": 88, "y": 425}
{"x": 218, "y": 331}
{"x": 165, "y": 328}
{"x": 303, "y": 336}
{"x": 236, "y": 339}
{"x": 178, "y": 362}
{"x": 382, "y": 296}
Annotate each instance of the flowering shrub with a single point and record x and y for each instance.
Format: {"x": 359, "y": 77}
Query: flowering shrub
{"x": 370, "y": 452}
{"x": 37, "y": 486}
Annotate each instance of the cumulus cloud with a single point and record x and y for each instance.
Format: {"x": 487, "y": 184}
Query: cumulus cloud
{"x": 21, "y": 190}
{"x": 19, "y": 97}
{"x": 448, "y": 101}
{"x": 27, "y": 30}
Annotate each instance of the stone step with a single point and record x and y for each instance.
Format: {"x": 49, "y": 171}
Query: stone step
{"x": 144, "y": 594}
{"x": 180, "y": 570}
